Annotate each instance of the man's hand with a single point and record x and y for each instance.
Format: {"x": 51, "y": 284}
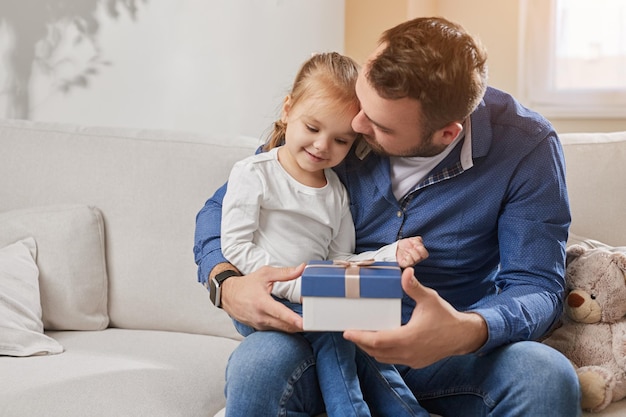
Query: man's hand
{"x": 410, "y": 251}
{"x": 435, "y": 331}
{"x": 248, "y": 299}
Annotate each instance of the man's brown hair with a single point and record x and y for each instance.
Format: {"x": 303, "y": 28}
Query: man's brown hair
{"x": 434, "y": 61}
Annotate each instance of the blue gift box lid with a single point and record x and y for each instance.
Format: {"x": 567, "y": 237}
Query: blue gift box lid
{"x": 377, "y": 280}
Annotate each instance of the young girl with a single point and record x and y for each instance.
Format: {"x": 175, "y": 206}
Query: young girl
{"x": 286, "y": 206}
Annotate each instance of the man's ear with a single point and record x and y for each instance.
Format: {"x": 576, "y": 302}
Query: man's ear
{"x": 448, "y": 133}
{"x": 285, "y": 110}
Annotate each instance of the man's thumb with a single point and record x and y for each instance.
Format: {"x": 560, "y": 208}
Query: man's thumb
{"x": 410, "y": 285}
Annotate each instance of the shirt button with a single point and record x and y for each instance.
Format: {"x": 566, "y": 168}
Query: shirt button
{"x": 399, "y": 214}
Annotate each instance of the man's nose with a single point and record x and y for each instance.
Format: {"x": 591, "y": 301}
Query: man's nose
{"x": 360, "y": 123}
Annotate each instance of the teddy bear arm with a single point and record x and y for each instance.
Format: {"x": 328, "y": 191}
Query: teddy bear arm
{"x": 619, "y": 355}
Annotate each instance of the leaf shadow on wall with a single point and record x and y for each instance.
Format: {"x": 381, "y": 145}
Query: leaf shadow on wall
{"x": 42, "y": 35}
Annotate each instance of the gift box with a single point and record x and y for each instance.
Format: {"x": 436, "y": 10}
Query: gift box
{"x": 341, "y": 295}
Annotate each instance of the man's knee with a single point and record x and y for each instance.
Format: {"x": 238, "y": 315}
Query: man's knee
{"x": 538, "y": 358}
{"x": 544, "y": 368}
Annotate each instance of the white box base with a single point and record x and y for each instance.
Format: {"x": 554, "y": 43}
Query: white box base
{"x": 338, "y": 314}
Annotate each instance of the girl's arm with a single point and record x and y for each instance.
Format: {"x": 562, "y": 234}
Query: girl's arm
{"x": 240, "y": 219}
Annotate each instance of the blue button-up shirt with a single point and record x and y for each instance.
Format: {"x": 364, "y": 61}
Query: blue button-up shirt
{"x": 495, "y": 232}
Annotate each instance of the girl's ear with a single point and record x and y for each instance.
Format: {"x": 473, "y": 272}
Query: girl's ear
{"x": 285, "y": 109}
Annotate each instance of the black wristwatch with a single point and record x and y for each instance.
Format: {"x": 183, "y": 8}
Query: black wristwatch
{"x": 215, "y": 284}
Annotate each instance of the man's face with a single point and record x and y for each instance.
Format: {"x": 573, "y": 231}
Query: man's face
{"x": 391, "y": 127}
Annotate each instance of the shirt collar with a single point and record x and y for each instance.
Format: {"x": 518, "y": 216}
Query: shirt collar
{"x": 466, "y": 151}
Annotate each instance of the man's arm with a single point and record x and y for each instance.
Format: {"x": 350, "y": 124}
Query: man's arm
{"x": 207, "y": 246}
{"x": 247, "y": 298}
{"x": 532, "y": 234}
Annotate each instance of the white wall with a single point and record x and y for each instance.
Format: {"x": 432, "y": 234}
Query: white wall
{"x": 208, "y": 66}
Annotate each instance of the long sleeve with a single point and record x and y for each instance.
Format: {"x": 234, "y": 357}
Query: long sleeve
{"x": 207, "y": 246}
{"x": 241, "y": 220}
{"x": 532, "y": 231}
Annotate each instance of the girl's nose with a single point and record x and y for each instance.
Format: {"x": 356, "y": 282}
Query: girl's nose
{"x": 321, "y": 144}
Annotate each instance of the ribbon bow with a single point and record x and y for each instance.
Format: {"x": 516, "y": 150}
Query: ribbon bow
{"x": 346, "y": 264}
{"x": 352, "y": 275}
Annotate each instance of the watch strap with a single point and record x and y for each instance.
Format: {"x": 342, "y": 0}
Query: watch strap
{"x": 224, "y": 275}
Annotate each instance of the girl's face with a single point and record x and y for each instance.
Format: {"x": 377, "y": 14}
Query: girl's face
{"x": 318, "y": 136}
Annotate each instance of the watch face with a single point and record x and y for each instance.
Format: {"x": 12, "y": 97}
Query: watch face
{"x": 216, "y": 282}
{"x": 213, "y": 290}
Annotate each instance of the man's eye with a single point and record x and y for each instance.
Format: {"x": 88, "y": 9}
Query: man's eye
{"x": 382, "y": 130}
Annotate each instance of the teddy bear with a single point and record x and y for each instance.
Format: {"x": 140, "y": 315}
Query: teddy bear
{"x": 592, "y": 334}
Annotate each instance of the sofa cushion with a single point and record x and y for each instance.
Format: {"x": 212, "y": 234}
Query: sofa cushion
{"x": 595, "y": 170}
{"x": 21, "y": 328}
{"x": 71, "y": 261}
{"x": 119, "y": 372}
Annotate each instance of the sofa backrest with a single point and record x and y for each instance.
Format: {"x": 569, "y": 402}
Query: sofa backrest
{"x": 596, "y": 182}
{"x": 149, "y": 186}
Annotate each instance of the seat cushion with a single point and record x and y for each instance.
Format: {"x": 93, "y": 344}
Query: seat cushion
{"x": 117, "y": 372}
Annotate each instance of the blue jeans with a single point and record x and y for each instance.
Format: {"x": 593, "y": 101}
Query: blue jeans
{"x": 273, "y": 374}
{"x": 351, "y": 382}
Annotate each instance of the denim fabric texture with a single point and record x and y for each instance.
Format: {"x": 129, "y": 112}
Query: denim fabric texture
{"x": 351, "y": 382}
{"x": 273, "y": 374}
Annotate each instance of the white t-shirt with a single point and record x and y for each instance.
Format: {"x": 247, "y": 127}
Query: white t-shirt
{"x": 269, "y": 218}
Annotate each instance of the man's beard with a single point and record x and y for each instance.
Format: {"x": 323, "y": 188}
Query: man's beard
{"x": 425, "y": 149}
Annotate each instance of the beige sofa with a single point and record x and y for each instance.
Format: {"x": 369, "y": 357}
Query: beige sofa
{"x": 139, "y": 333}
{"x": 112, "y": 214}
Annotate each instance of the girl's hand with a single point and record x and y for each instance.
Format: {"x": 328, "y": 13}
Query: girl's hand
{"x": 410, "y": 251}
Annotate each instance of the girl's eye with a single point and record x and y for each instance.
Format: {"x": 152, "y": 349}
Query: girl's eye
{"x": 341, "y": 141}
{"x": 312, "y": 129}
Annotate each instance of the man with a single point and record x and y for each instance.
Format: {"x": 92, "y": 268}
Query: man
{"x": 481, "y": 179}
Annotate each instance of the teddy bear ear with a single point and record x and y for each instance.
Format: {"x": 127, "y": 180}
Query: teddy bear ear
{"x": 574, "y": 252}
{"x": 620, "y": 259}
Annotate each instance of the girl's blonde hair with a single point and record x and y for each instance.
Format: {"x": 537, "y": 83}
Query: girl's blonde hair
{"x": 328, "y": 74}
